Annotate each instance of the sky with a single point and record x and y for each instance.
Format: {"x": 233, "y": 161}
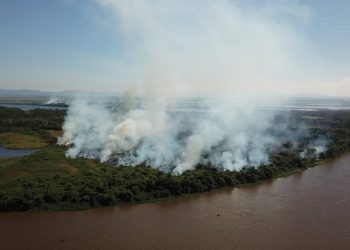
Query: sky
{"x": 92, "y": 45}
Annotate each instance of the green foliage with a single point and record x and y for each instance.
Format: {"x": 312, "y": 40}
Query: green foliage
{"x": 49, "y": 180}
{"x": 32, "y": 120}
{"x": 45, "y": 180}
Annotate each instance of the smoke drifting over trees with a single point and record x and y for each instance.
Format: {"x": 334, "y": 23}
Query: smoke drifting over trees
{"x": 229, "y": 53}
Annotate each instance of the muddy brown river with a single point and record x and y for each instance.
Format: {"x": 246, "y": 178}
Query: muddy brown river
{"x": 310, "y": 210}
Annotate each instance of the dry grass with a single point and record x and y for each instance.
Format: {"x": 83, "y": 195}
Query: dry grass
{"x": 55, "y": 133}
{"x": 12, "y": 140}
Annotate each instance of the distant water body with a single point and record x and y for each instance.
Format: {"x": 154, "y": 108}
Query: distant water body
{"x": 26, "y": 107}
{"x": 309, "y": 210}
{"x": 200, "y": 105}
{"x": 15, "y": 152}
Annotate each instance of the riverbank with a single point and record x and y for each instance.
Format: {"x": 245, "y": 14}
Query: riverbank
{"x": 47, "y": 180}
{"x": 307, "y": 210}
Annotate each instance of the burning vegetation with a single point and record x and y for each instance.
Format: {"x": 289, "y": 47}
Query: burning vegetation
{"x": 49, "y": 180}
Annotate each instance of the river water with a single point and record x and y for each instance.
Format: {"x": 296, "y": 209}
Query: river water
{"x": 309, "y": 210}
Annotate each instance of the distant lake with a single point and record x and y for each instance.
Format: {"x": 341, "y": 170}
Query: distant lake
{"x": 4, "y": 152}
{"x": 26, "y": 107}
{"x": 200, "y": 106}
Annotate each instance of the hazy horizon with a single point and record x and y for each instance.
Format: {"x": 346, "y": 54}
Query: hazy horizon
{"x": 52, "y": 93}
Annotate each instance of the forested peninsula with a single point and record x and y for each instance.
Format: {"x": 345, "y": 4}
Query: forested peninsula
{"x": 47, "y": 180}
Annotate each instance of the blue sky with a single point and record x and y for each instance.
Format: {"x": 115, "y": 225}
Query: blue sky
{"x": 69, "y": 44}
{"x": 330, "y": 29}
{"x": 52, "y": 45}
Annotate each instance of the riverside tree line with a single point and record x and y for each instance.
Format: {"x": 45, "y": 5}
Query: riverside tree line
{"x": 49, "y": 180}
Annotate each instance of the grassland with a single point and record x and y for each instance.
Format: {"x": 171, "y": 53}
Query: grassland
{"x": 23, "y": 100}
{"x": 13, "y": 140}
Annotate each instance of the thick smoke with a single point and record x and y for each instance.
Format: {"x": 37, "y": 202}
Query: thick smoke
{"x": 172, "y": 138}
{"x": 228, "y": 53}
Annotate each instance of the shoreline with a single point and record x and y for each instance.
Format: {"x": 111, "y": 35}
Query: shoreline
{"x": 318, "y": 163}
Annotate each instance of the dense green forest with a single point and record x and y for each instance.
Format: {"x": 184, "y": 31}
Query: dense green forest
{"x": 49, "y": 180}
{"x": 12, "y": 119}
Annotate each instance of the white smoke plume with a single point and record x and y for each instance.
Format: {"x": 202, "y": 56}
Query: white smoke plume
{"x": 56, "y": 101}
{"x": 228, "y": 53}
{"x": 52, "y": 100}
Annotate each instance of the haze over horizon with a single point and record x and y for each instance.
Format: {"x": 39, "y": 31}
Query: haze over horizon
{"x": 294, "y": 47}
